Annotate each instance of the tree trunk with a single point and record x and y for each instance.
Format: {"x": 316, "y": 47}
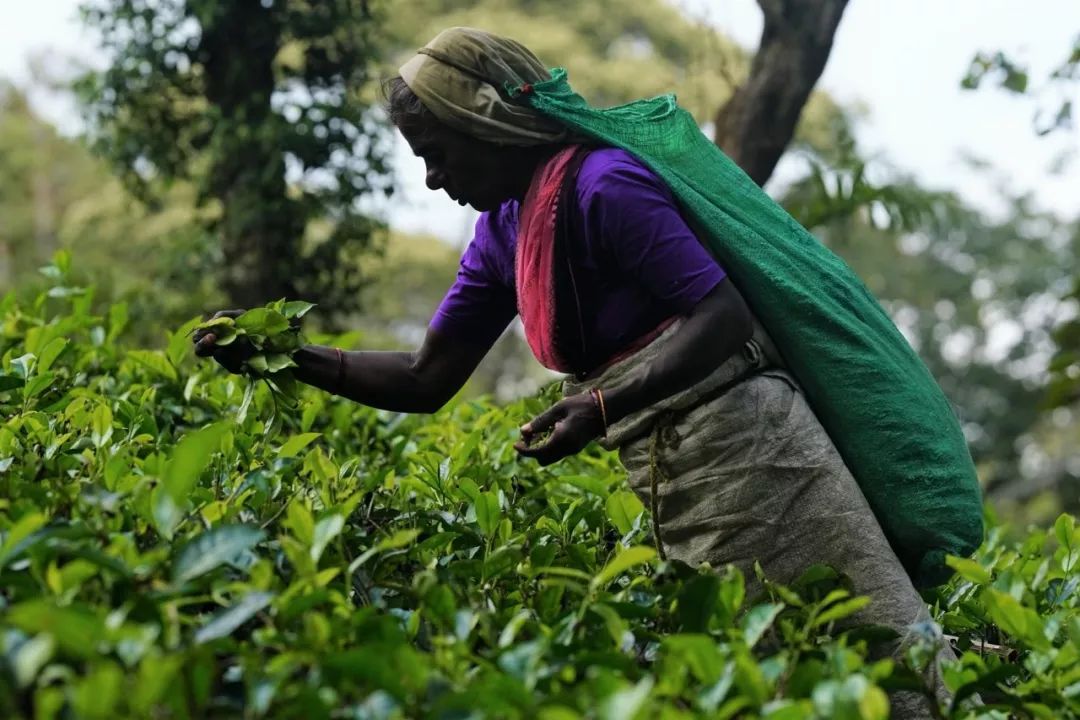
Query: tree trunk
{"x": 260, "y": 225}
{"x": 758, "y": 121}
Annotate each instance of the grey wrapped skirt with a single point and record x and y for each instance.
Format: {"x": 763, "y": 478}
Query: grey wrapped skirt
{"x": 737, "y": 470}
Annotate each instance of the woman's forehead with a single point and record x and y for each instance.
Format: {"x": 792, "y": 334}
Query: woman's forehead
{"x": 425, "y": 135}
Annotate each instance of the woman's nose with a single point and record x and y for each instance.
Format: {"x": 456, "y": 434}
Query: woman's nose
{"x": 435, "y": 179}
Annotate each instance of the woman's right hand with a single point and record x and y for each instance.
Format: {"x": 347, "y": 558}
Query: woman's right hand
{"x": 231, "y": 356}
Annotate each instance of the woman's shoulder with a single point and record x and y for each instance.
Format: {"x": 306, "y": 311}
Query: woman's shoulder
{"x": 610, "y": 171}
{"x": 495, "y": 239}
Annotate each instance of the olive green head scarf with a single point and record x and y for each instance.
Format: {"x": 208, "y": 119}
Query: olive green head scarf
{"x": 461, "y": 76}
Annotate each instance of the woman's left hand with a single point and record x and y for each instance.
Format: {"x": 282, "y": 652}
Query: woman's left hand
{"x": 574, "y": 422}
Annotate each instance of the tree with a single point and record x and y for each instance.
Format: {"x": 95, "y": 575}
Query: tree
{"x": 1054, "y": 98}
{"x": 755, "y": 126}
{"x": 41, "y": 175}
{"x": 259, "y": 105}
{"x": 1012, "y": 76}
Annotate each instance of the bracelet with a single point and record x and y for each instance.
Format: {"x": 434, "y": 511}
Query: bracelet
{"x": 598, "y": 398}
{"x": 340, "y": 370}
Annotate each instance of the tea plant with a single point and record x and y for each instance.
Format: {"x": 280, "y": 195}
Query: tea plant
{"x": 162, "y": 556}
{"x": 273, "y": 335}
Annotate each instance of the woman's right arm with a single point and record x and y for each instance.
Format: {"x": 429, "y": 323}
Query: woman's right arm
{"x": 474, "y": 312}
{"x": 421, "y": 381}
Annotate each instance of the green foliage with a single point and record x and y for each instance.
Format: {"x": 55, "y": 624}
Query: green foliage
{"x": 1013, "y": 77}
{"x": 1064, "y": 388}
{"x": 1010, "y": 75}
{"x": 54, "y": 193}
{"x": 259, "y": 106}
{"x": 273, "y": 334}
{"x": 1054, "y": 115}
{"x": 162, "y": 557}
{"x": 41, "y": 176}
{"x": 1016, "y": 609}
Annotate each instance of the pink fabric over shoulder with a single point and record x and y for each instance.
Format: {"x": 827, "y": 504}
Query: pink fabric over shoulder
{"x": 533, "y": 263}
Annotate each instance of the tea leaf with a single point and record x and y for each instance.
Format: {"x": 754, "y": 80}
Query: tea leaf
{"x": 180, "y": 346}
{"x": 296, "y": 309}
{"x": 213, "y": 548}
{"x": 297, "y": 443}
{"x": 841, "y": 610}
{"x": 623, "y": 508}
{"x": 263, "y": 321}
{"x": 228, "y": 620}
{"x": 969, "y": 569}
{"x": 101, "y": 428}
{"x": 76, "y": 630}
{"x": 325, "y": 531}
{"x": 190, "y": 457}
{"x": 488, "y": 513}
{"x": 626, "y": 559}
{"x": 16, "y": 536}
{"x": 758, "y": 621}
{"x": 154, "y": 360}
{"x": 50, "y": 353}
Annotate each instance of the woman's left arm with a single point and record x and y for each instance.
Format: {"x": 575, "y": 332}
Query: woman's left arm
{"x": 714, "y": 330}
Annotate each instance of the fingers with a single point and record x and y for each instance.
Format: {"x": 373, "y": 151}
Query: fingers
{"x": 204, "y": 339}
{"x": 543, "y": 422}
{"x": 573, "y": 423}
{"x": 204, "y": 345}
{"x": 555, "y": 448}
{"x": 228, "y": 360}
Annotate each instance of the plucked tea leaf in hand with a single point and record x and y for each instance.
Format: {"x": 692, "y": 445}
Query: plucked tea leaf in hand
{"x": 296, "y": 308}
{"x": 263, "y": 321}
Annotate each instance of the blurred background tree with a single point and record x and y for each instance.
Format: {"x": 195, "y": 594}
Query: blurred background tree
{"x": 258, "y": 105}
{"x": 1054, "y": 97}
{"x": 41, "y": 175}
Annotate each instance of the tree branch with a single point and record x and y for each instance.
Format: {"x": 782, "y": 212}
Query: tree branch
{"x": 758, "y": 121}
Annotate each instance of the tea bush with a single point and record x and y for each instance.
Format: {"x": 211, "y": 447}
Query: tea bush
{"x": 162, "y": 556}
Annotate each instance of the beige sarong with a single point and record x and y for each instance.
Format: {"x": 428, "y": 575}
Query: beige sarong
{"x": 737, "y": 469}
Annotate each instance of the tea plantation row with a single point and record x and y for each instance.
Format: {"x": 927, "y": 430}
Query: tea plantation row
{"x": 163, "y": 557}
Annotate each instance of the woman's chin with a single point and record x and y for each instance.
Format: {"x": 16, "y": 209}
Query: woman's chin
{"x": 482, "y": 205}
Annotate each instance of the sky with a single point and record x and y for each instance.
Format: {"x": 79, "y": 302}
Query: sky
{"x": 903, "y": 61}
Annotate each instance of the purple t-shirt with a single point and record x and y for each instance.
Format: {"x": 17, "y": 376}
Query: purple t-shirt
{"x": 641, "y": 263}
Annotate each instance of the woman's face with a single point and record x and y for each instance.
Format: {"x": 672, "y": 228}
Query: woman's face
{"x": 470, "y": 171}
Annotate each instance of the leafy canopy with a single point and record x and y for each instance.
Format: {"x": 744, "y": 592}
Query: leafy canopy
{"x": 260, "y": 106}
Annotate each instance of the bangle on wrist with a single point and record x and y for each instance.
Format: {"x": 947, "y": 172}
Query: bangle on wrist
{"x": 340, "y": 371}
{"x": 598, "y": 399}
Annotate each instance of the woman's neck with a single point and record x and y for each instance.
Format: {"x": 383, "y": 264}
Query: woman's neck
{"x": 524, "y": 166}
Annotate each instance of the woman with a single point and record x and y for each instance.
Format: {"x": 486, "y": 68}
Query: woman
{"x": 667, "y": 362}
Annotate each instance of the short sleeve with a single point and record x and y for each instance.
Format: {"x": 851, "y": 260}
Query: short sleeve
{"x": 631, "y": 215}
{"x": 480, "y": 304}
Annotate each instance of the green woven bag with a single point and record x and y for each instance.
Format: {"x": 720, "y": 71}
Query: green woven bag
{"x": 875, "y": 397}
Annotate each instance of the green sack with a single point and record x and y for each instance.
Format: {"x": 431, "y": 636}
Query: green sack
{"x": 883, "y": 410}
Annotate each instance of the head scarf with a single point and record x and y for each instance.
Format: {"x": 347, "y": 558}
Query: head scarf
{"x": 461, "y": 77}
